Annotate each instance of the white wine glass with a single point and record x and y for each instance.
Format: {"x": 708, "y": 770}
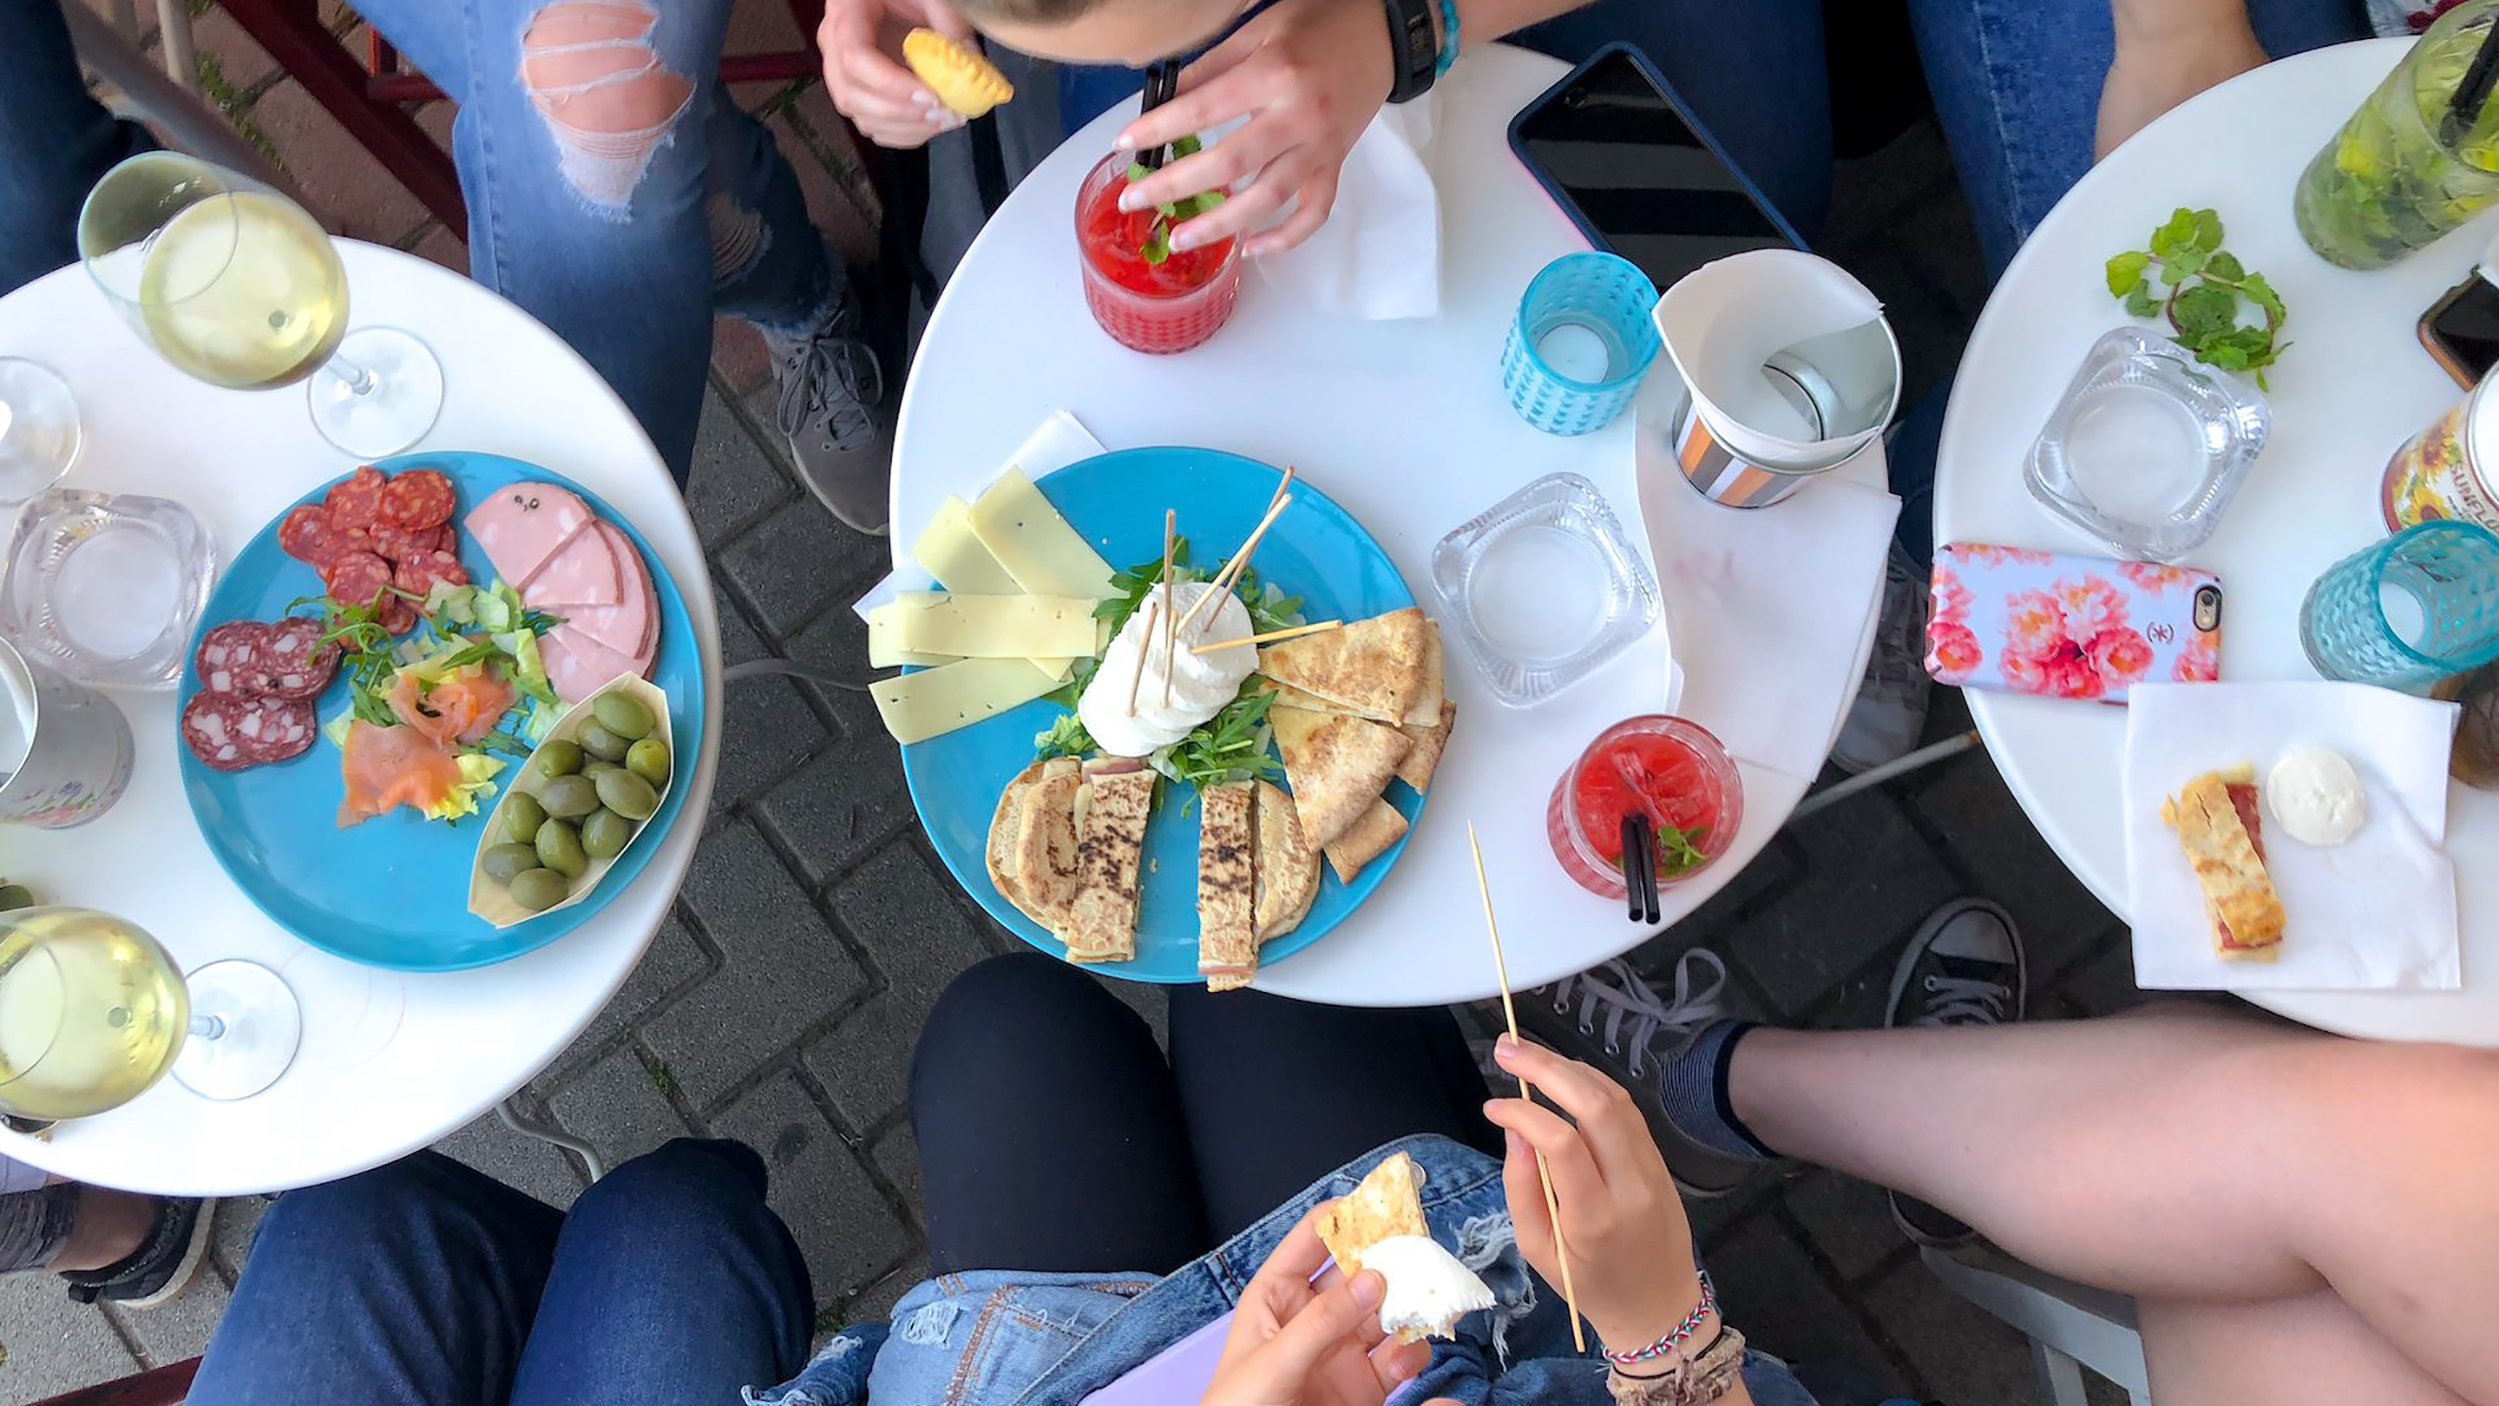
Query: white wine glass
{"x": 93, "y": 1012}
{"x": 235, "y": 284}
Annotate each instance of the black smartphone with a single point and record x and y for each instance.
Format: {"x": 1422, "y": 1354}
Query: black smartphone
{"x": 1638, "y": 174}
{"x": 2461, "y": 330}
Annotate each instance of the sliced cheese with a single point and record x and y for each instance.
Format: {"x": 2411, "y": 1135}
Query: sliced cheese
{"x": 949, "y": 552}
{"x": 991, "y": 627}
{"x": 884, "y": 653}
{"x": 920, "y": 706}
{"x": 1035, "y": 545}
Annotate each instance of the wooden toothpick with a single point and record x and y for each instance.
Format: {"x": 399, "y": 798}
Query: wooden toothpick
{"x": 1291, "y": 633}
{"x": 1544, "y": 1174}
{"x": 1171, "y": 638}
{"x": 1232, "y": 569}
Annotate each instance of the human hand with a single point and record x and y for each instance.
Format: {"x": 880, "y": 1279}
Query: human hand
{"x": 1299, "y": 1343}
{"x": 886, "y": 101}
{"x": 1622, "y": 1219}
{"x": 2157, "y": 68}
{"x": 1309, "y": 75}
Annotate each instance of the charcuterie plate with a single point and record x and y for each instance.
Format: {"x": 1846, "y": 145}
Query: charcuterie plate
{"x": 393, "y": 890}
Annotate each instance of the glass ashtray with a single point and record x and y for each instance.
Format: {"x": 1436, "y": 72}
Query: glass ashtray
{"x": 106, "y": 587}
{"x": 2147, "y": 448}
{"x": 1543, "y": 587}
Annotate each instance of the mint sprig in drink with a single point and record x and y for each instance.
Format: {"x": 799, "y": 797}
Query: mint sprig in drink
{"x": 2401, "y": 174}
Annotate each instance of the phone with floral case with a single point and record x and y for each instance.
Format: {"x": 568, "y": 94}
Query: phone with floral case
{"x": 2057, "y": 626}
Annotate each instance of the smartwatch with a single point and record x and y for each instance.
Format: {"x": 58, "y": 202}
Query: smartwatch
{"x": 1414, "y": 47}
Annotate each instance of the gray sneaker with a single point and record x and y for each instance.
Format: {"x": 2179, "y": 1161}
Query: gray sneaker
{"x": 1890, "y": 712}
{"x": 1965, "y": 967}
{"x": 161, "y": 1268}
{"x": 832, "y": 408}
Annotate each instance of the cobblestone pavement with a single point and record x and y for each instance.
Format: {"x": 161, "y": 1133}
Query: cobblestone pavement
{"x": 779, "y": 1003}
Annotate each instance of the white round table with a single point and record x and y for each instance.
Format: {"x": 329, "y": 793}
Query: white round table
{"x": 390, "y": 1062}
{"x": 1406, "y": 425}
{"x": 2354, "y": 385}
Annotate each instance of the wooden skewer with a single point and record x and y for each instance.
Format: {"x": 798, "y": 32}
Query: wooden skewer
{"x": 1544, "y": 1174}
{"x": 1232, "y": 569}
{"x": 1295, "y": 632}
{"x": 1171, "y": 638}
{"x": 1139, "y": 676}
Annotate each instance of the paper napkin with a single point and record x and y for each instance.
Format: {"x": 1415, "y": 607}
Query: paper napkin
{"x": 2375, "y": 913}
{"x": 1055, "y": 443}
{"x": 1378, "y": 256}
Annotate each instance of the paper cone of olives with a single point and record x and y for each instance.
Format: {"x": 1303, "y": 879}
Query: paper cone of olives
{"x": 577, "y": 805}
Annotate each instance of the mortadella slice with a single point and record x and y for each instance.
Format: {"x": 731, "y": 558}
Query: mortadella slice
{"x": 578, "y": 666}
{"x": 585, "y": 571}
{"x": 520, "y": 527}
{"x": 628, "y": 627}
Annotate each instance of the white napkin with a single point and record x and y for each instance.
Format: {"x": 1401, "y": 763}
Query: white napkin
{"x": 1378, "y": 256}
{"x": 1775, "y": 668}
{"x": 1055, "y": 443}
{"x": 1721, "y": 324}
{"x": 2373, "y": 913}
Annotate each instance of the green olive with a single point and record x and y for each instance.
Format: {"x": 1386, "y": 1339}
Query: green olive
{"x": 628, "y": 795}
{"x": 569, "y": 797}
{"x": 604, "y": 833}
{"x": 559, "y": 848}
{"x": 539, "y": 889}
{"x": 624, "y": 715}
{"x": 648, "y": 759}
{"x": 522, "y": 815}
{"x": 501, "y": 862}
{"x": 593, "y": 767}
{"x": 557, "y": 757}
{"x": 603, "y": 744}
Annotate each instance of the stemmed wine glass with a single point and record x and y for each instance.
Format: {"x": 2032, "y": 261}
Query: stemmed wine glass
{"x": 235, "y": 284}
{"x": 93, "y": 1012}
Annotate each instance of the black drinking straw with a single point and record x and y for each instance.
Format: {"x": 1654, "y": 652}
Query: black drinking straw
{"x": 2465, "y": 108}
{"x": 1162, "y": 84}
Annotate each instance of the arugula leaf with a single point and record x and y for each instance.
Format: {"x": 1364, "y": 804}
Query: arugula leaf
{"x": 1133, "y": 584}
{"x": 1065, "y": 738}
{"x": 1269, "y": 608}
{"x": 2200, "y": 286}
{"x": 1228, "y": 746}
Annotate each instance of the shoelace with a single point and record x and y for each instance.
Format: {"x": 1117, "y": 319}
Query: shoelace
{"x": 1630, "y": 1002}
{"x": 832, "y": 377}
{"x": 1956, "y": 1000}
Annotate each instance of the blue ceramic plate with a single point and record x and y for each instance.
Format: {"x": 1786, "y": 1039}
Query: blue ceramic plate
{"x": 1315, "y": 550}
{"x": 394, "y": 891}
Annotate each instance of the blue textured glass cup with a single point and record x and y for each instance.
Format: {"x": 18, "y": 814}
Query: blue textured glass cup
{"x": 1580, "y": 344}
{"x": 2414, "y": 609}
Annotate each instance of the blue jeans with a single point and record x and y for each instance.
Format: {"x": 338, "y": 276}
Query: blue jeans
{"x": 423, "y": 1283}
{"x": 623, "y": 215}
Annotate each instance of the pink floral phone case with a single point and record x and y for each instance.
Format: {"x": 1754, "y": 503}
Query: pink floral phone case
{"x": 2068, "y": 627}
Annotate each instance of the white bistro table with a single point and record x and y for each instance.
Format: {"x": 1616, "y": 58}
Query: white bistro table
{"x": 390, "y": 1062}
{"x": 1406, "y": 425}
{"x": 2354, "y": 385}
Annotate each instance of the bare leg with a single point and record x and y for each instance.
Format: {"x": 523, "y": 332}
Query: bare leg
{"x": 2190, "y": 1157}
{"x": 111, "y": 1226}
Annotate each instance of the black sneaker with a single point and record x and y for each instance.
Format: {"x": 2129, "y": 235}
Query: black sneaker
{"x": 1610, "y": 1018}
{"x": 160, "y": 1269}
{"x": 1964, "y": 967}
{"x": 832, "y": 407}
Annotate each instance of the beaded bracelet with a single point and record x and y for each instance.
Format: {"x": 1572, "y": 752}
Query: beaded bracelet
{"x": 1448, "y": 38}
{"x": 1683, "y": 1331}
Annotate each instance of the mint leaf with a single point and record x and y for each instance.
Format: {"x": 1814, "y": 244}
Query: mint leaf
{"x": 2175, "y": 237}
{"x": 2141, "y": 303}
{"x": 2183, "y": 265}
{"x": 2204, "y": 283}
{"x": 2126, "y": 271}
{"x": 1137, "y": 172}
{"x": 2261, "y": 293}
{"x": 1187, "y": 146}
{"x": 2203, "y": 310}
{"x": 1157, "y": 248}
{"x": 2224, "y": 266}
{"x": 2207, "y": 231}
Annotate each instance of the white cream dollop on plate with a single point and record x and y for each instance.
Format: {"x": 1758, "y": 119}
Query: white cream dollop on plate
{"x": 2315, "y": 796}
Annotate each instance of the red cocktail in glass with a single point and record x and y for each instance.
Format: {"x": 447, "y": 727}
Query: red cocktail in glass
{"x": 1672, "y": 771}
{"x": 1152, "y": 307}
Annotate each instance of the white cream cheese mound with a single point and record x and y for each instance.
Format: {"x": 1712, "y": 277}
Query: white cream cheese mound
{"x": 1428, "y": 1289}
{"x": 1200, "y": 684}
{"x": 2315, "y": 796}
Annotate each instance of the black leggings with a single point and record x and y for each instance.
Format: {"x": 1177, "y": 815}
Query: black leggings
{"x": 1054, "y": 1137}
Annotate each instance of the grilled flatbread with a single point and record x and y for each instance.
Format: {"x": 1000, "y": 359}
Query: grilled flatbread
{"x": 1290, "y": 697}
{"x": 1005, "y": 826}
{"x": 1227, "y": 939}
{"x": 1288, "y": 870}
{"x": 1043, "y": 857}
{"x": 1374, "y": 667}
{"x": 1370, "y": 837}
{"x": 1424, "y": 712}
{"x": 1388, "y": 1202}
{"x": 1338, "y": 767}
{"x": 1102, "y": 919}
{"x": 1423, "y": 758}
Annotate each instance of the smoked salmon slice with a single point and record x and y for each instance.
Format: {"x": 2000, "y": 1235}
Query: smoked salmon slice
{"x": 387, "y": 767}
{"x": 463, "y": 706}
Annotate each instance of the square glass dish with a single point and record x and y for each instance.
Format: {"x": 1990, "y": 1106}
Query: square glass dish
{"x": 1543, "y": 587}
{"x": 2147, "y": 448}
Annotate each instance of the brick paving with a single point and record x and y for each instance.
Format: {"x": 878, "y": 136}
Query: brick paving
{"x": 778, "y": 1003}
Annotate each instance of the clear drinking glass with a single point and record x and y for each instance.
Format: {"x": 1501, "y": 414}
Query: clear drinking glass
{"x": 1674, "y": 772}
{"x": 1163, "y": 307}
{"x": 2397, "y": 177}
{"x": 1542, "y": 587}
{"x": 93, "y": 1012}
{"x": 2415, "y": 608}
{"x": 39, "y": 433}
{"x": 235, "y": 284}
{"x": 1581, "y": 342}
{"x": 105, "y": 587}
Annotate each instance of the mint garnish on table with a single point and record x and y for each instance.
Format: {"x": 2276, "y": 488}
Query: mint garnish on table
{"x": 1157, "y": 246}
{"x": 2199, "y": 287}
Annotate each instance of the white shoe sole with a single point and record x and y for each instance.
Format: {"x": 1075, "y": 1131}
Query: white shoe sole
{"x": 194, "y": 1253}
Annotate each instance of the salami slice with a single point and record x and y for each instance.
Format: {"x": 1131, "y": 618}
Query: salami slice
{"x": 211, "y": 724}
{"x": 356, "y": 500}
{"x": 419, "y": 498}
{"x": 419, "y": 573}
{"x": 274, "y": 729}
{"x": 356, "y": 578}
{"x": 393, "y": 543}
{"x": 230, "y": 659}
{"x": 295, "y": 662}
{"x": 397, "y": 616}
{"x": 306, "y": 534}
